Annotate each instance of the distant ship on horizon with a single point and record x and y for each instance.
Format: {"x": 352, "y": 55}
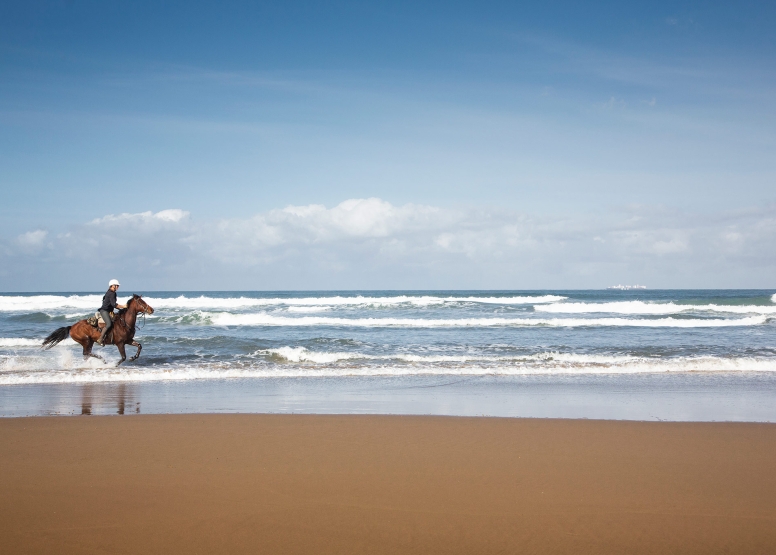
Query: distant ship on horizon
{"x": 627, "y": 287}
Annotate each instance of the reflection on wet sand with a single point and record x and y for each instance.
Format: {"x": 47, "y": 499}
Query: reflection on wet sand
{"x": 101, "y": 399}
{"x": 86, "y": 400}
{"x": 122, "y": 399}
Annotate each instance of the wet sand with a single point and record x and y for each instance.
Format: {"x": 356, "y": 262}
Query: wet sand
{"x": 384, "y": 484}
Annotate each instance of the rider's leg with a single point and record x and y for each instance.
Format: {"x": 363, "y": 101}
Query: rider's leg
{"x": 108, "y": 325}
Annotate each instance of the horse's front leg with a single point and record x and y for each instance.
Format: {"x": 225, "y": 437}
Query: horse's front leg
{"x": 139, "y": 348}
{"x": 122, "y": 352}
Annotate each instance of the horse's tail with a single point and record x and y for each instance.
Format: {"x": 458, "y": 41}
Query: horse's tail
{"x": 56, "y": 336}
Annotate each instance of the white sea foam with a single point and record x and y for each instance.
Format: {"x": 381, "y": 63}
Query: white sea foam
{"x": 539, "y": 361}
{"x": 42, "y": 303}
{"x": 422, "y": 300}
{"x": 72, "y": 370}
{"x": 647, "y": 308}
{"x": 300, "y": 354}
{"x": 26, "y": 342}
{"x": 264, "y": 319}
{"x": 545, "y": 303}
{"x": 39, "y": 303}
{"x": 19, "y": 342}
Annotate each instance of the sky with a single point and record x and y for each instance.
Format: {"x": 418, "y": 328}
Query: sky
{"x": 396, "y": 145}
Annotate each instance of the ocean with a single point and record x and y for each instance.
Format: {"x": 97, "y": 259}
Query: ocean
{"x": 640, "y": 354}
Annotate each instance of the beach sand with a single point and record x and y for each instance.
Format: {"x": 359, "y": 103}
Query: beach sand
{"x": 384, "y": 484}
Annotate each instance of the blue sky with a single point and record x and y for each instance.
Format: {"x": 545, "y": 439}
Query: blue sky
{"x": 407, "y": 145}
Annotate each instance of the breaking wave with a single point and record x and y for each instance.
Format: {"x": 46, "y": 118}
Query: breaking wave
{"x": 359, "y": 300}
{"x": 19, "y": 342}
{"x": 302, "y": 363}
{"x": 383, "y": 333}
{"x": 38, "y": 303}
{"x": 552, "y": 361}
{"x": 263, "y": 319}
{"x": 646, "y": 308}
{"x": 33, "y": 303}
{"x": 301, "y": 354}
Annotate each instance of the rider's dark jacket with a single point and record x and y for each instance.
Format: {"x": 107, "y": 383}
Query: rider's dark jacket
{"x": 109, "y": 301}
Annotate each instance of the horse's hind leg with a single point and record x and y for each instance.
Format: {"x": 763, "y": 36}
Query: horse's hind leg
{"x": 87, "y": 343}
{"x": 139, "y": 348}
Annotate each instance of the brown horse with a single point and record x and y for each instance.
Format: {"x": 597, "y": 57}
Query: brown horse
{"x": 122, "y": 334}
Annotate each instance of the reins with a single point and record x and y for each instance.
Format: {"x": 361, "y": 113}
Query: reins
{"x": 124, "y": 323}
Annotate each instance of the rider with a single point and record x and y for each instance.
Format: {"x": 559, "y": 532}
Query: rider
{"x": 108, "y": 305}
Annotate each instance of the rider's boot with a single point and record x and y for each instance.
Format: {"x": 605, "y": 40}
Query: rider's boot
{"x": 101, "y": 340}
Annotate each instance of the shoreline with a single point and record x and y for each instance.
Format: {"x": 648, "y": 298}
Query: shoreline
{"x": 384, "y": 484}
{"x": 734, "y": 397}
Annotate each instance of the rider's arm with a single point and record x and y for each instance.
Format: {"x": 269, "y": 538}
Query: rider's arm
{"x": 116, "y": 302}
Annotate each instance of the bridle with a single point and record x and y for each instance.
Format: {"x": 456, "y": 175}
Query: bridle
{"x": 142, "y": 312}
{"x": 139, "y": 312}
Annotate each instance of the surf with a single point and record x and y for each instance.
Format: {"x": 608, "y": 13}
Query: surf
{"x": 74, "y": 371}
{"x": 264, "y": 319}
{"x": 649, "y": 308}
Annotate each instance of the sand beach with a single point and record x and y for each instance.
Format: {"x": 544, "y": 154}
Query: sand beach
{"x": 384, "y": 484}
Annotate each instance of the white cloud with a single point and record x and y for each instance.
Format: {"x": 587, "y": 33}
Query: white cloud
{"x": 173, "y": 215}
{"x": 373, "y": 243}
{"x": 143, "y": 218}
{"x": 357, "y": 218}
{"x": 32, "y": 241}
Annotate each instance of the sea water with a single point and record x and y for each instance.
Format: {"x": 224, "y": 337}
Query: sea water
{"x": 682, "y": 355}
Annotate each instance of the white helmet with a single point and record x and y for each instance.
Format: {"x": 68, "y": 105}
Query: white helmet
{"x": 113, "y": 282}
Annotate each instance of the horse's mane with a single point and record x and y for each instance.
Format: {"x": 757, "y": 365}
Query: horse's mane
{"x": 123, "y": 310}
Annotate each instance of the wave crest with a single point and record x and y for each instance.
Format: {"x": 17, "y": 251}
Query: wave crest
{"x": 264, "y": 319}
{"x": 19, "y": 342}
{"x": 37, "y": 303}
{"x": 647, "y": 308}
{"x": 70, "y": 369}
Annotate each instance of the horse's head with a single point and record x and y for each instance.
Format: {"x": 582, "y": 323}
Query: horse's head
{"x": 141, "y": 306}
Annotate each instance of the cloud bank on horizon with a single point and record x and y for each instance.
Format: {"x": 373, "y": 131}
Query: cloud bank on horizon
{"x": 370, "y": 243}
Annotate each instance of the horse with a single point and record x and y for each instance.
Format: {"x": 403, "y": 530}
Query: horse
{"x": 122, "y": 334}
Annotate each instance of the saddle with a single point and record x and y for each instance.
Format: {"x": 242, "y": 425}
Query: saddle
{"x": 96, "y": 321}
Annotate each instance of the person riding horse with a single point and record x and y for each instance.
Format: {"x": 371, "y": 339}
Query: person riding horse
{"x": 85, "y": 332}
{"x": 109, "y": 304}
